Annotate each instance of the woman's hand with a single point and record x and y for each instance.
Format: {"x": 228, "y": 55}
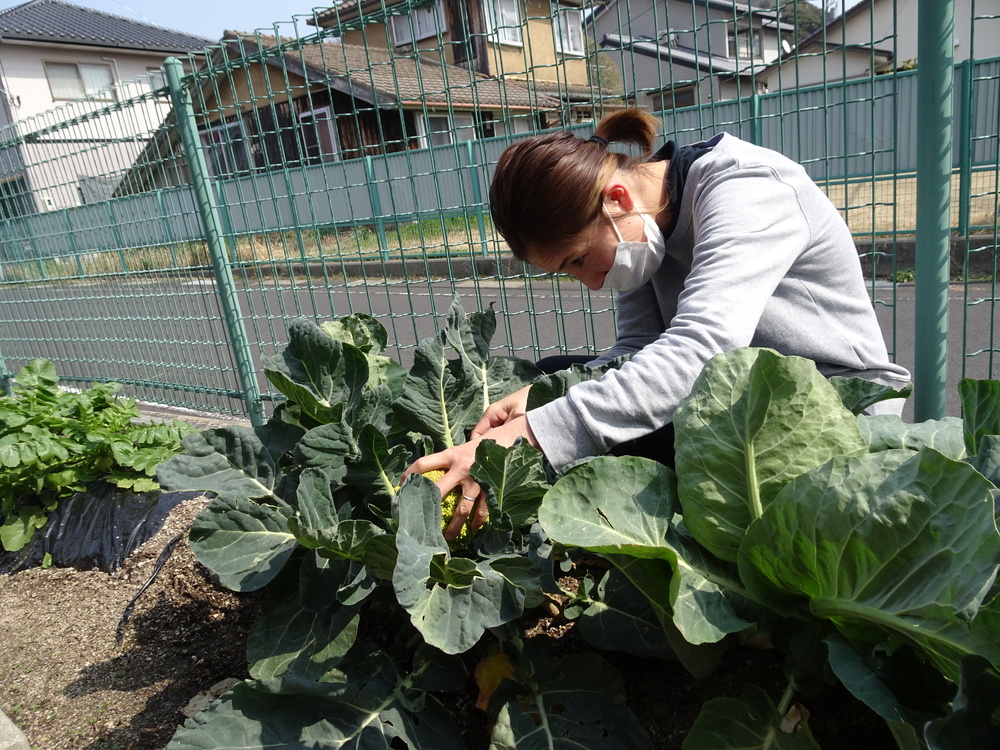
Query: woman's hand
{"x": 456, "y": 462}
{"x": 502, "y": 411}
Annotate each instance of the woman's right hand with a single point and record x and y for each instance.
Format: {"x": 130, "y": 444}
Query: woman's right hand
{"x": 502, "y": 411}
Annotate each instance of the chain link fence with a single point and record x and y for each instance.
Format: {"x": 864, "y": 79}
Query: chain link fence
{"x": 163, "y": 235}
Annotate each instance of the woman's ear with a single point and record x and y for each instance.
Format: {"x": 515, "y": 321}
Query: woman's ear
{"x": 616, "y": 192}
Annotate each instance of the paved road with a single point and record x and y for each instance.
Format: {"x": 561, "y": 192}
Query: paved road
{"x": 171, "y": 331}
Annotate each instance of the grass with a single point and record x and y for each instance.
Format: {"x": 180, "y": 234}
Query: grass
{"x": 882, "y": 207}
{"x": 454, "y": 236}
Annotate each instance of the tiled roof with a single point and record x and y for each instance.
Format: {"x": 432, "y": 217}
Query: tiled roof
{"x": 378, "y": 74}
{"x": 59, "y": 22}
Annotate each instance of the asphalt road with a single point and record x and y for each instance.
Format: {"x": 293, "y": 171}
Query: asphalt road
{"x": 171, "y": 331}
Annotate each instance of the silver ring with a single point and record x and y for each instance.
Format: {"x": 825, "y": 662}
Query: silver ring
{"x": 470, "y": 499}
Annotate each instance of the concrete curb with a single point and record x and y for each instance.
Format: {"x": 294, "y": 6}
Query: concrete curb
{"x": 11, "y": 738}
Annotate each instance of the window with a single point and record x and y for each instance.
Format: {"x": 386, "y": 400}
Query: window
{"x": 568, "y": 24}
{"x": 69, "y": 81}
{"x": 441, "y": 130}
{"x": 746, "y": 43}
{"x": 673, "y": 98}
{"x": 14, "y": 198}
{"x": 420, "y": 24}
{"x": 319, "y": 140}
{"x": 503, "y": 21}
{"x": 228, "y": 150}
{"x": 157, "y": 78}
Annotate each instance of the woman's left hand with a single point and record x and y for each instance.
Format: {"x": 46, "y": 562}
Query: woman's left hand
{"x": 456, "y": 463}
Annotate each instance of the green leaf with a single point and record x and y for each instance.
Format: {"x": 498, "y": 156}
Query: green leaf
{"x": 437, "y": 400}
{"x": 566, "y": 703}
{"x": 19, "y": 528}
{"x": 244, "y": 543}
{"x": 754, "y": 420}
{"x": 619, "y": 617}
{"x": 987, "y": 460}
{"x": 555, "y": 385}
{"x": 897, "y": 542}
{"x": 288, "y": 638}
{"x": 515, "y": 478}
{"x": 469, "y": 336}
{"x": 362, "y": 713}
{"x": 980, "y": 409}
{"x": 228, "y": 461}
{"x": 750, "y": 723}
{"x": 450, "y": 618}
{"x": 328, "y": 447}
{"x": 38, "y": 373}
{"x": 871, "y": 682}
{"x": 886, "y": 431}
{"x": 377, "y": 470}
{"x": 369, "y": 336}
{"x": 317, "y": 372}
{"x": 857, "y": 394}
{"x": 972, "y": 723}
{"x": 622, "y": 507}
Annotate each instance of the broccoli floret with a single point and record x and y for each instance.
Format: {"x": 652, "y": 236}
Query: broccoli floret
{"x": 448, "y": 505}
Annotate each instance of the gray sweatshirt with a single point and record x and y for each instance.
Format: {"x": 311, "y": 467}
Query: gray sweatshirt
{"x": 759, "y": 257}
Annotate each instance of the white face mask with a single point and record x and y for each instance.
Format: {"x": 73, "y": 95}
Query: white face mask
{"x": 635, "y": 262}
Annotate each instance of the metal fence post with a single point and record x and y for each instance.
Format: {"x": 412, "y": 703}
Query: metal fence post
{"x": 208, "y": 212}
{"x": 935, "y": 85}
{"x": 965, "y": 148}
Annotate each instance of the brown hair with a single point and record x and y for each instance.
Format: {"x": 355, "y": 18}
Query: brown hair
{"x": 547, "y": 189}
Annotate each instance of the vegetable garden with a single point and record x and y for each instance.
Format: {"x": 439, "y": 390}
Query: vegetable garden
{"x": 862, "y": 548}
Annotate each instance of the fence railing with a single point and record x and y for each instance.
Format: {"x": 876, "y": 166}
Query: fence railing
{"x": 345, "y": 172}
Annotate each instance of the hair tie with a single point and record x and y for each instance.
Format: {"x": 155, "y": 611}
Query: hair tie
{"x": 599, "y": 140}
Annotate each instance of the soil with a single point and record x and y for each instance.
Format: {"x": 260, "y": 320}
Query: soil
{"x": 68, "y": 685}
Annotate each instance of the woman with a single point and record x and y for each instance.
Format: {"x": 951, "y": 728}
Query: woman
{"x": 711, "y": 247}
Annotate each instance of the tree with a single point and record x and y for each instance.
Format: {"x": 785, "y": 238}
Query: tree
{"x": 804, "y": 15}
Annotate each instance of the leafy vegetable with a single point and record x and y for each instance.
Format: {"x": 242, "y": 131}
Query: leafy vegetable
{"x": 54, "y": 442}
{"x": 864, "y": 547}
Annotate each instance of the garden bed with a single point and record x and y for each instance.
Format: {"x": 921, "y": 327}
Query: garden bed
{"x": 66, "y": 683}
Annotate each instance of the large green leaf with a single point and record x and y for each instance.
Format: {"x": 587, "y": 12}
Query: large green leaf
{"x": 236, "y": 461}
{"x": 437, "y": 400}
{"x": 316, "y": 371}
{"x": 887, "y": 431}
{"x": 750, "y": 723}
{"x": 364, "y": 712}
{"x": 980, "y": 410}
{"x": 328, "y": 447}
{"x": 619, "y": 617}
{"x": 565, "y": 703}
{"x": 753, "y": 421}
{"x": 377, "y": 470}
{"x": 244, "y": 543}
{"x": 286, "y": 637}
{"x": 622, "y": 507}
{"x": 451, "y": 601}
{"x": 369, "y": 336}
{"x": 494, "y": 378}
{"x": 515, "y": 479}
{"x": 896, "y": 542}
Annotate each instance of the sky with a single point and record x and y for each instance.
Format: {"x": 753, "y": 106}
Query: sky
{"x": 207, "y": 18}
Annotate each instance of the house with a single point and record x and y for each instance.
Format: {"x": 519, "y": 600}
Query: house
{"x": 55, "y": 53}
{"x": 878, "y": 36}
{"x": 539, "y": 44}
{"x": 680, "y": 53}
{"x": 265, "y": 103}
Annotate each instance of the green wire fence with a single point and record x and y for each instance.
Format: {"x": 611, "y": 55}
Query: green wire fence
{"x": 164, "y": 236}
